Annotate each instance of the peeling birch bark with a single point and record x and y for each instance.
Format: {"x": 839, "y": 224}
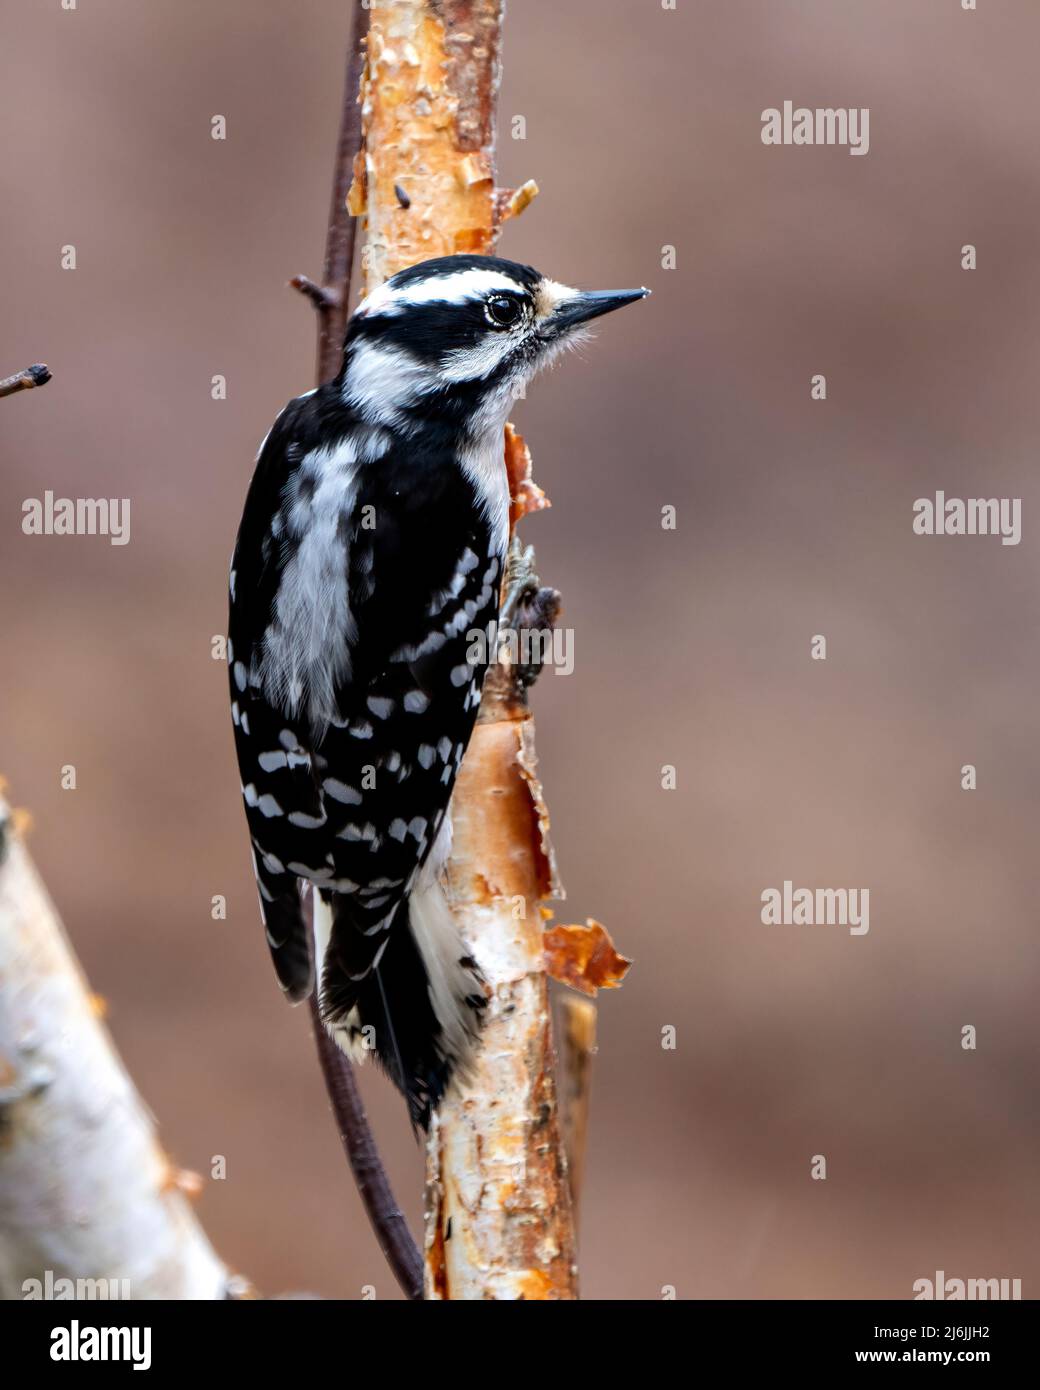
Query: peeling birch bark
{"x": 86, "y": 1192}
{"x": 499, "y": 1223}
{"x": 428, "y": 132}
{"x": 498, "y": 1210}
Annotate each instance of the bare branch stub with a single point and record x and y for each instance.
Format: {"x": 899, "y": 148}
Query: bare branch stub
{"x": 37, "y": 375}
{"x": 320, "y": 296}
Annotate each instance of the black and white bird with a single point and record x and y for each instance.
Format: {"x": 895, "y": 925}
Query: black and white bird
{"x": 371, "y": 551}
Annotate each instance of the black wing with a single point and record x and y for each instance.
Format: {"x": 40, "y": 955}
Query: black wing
{"x": 354, "y": 804}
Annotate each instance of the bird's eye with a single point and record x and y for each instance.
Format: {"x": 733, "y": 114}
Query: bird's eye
{"x": 502, "y": 310}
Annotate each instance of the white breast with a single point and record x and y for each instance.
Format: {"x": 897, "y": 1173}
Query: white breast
{"x": 483, "y": 462}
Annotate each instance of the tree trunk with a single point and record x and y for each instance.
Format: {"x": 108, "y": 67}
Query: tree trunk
{"x": 498, "y": 1210}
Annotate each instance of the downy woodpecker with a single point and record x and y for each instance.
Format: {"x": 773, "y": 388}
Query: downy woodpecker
{"x": 371, "y": 550}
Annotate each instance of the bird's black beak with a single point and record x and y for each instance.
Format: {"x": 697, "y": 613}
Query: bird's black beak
{"x": 589, "y": 304}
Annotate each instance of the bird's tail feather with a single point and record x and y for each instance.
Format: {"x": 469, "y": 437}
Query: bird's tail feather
{"x": 418, "y": 1007}
{"x": 287, "y": 940}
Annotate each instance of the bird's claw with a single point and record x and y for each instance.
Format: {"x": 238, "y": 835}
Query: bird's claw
{"x": 529, "y": 610}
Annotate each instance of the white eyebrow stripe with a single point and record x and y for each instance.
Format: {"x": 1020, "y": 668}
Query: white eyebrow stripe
{"x": 455, "y": 288}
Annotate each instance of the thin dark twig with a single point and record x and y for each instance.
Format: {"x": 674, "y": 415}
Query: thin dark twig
{"x": 331, "y": 300}
{"x": 320, "y": 296}
{"x": 339, "y": 244}
{"x": 37, "y": 375}
{"x": 395, "y": 1239}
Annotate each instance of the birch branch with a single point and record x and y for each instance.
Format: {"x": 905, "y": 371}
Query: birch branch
{"x": 498, "y": 1212}
{"x": 424, "y": 179}
{"x": 86, "y": 1192}
{"x": 37, "y": 375}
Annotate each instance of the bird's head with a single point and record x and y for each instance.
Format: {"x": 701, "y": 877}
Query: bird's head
{"x": 459, "y": 336}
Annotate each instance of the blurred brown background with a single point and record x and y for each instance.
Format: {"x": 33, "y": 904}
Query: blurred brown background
{"x": 794, "y": 518}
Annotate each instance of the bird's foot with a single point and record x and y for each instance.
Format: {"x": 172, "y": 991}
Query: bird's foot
{"x": 528, "y": 616}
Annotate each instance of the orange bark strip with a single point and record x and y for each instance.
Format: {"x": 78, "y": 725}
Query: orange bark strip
{"x": 584, "y": 957}
{"x": 525, "y": 494}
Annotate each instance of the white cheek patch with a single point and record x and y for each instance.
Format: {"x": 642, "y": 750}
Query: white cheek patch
{"x": 473, "y": 363}
{"x": 382, "y": 380}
